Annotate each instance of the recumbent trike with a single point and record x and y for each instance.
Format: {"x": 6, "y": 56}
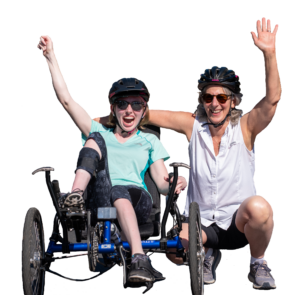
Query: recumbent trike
{"x": 102, "y": 239}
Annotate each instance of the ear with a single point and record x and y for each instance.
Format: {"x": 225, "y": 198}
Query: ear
{"x": 112, "y": 109}
{"x": 145, "y": 111}
{"x": 233, "y": 103}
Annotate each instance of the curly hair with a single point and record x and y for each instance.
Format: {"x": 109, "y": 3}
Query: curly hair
{"x": 235, "y": 113}
{"x": 112, "y": 120}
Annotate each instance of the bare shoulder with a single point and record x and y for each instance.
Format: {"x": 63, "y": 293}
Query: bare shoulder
{"x": 181, "y": 122}
{"x": 102, "y": 120}
{"x": 247, "y": 135}
{"x": 97, "y": 119}
{"x": 190, "y": 121}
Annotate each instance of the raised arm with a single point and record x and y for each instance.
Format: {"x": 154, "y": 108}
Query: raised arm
{"x": 260, "y": 117}
{"x": 77, "y": 113}
{"x": 181, "y": 122}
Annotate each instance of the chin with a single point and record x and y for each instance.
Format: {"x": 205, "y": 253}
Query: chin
{"x": 129, "y": 128}
{"x": 215, "y": 120}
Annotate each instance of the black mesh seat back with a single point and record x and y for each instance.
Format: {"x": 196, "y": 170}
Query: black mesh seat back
{"x": 151, "y": 186}
{"x": 152, "y": 227}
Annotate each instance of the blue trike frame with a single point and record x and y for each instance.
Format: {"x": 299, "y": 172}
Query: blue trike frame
{"x": 114, "y": 253}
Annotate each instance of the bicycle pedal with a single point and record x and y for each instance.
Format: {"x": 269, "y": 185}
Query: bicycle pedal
{"x": 148, "y": 285}
{"x": 159, "y": 279}
{"x": 70, "y": 200}
{"x": 134, "y": 284}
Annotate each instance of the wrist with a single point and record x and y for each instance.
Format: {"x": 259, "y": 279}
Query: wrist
{"x": 270, "y": 53}
{"x": 50, "y": 57}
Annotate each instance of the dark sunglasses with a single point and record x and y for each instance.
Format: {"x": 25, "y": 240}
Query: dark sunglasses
{"x": 222, "y": 98}
{"x": 135, "y": 105}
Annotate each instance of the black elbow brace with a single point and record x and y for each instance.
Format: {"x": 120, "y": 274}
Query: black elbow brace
{"x": 89, "y": 160}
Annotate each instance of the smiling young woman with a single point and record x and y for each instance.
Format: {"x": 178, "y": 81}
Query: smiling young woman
{"x": 113, "y": 161}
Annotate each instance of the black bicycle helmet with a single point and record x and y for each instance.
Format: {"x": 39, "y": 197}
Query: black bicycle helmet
{"x": 128, "y": 87}
{"x": 221, "y": 76}
{"x": 124, "y": 87}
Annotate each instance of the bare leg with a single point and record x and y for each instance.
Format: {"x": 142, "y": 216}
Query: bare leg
{"x": 82, "y": 177}
{"x": 81, "y": 180}
{"x": 129, "y": 225}
{"x": 259, "y": 236}
{"x": 255, "y": 219}
{"x": 184, "y": 235}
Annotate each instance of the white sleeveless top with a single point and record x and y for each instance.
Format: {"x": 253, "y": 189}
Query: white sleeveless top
{"x": 219, "y": 184}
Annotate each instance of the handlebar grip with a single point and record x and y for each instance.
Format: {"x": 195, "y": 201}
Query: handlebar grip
{"x": 56, "y": 186}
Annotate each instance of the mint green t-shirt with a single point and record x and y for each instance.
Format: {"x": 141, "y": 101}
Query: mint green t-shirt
{"x": 128, "y": 162}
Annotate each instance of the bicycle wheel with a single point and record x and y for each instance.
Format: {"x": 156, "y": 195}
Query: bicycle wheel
{"x": 196, "y": 251}
{"x": 33, "y": 250}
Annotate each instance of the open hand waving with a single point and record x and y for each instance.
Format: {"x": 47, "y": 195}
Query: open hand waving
{"x": 265, "y": 39}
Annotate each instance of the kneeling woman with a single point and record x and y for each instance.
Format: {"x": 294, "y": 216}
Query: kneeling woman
{"x": 114, "y": 160}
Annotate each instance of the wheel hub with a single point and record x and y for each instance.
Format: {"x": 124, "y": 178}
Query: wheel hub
{"x": 35, "y": 262}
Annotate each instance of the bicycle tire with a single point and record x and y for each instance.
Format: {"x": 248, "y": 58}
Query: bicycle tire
{"x": 33, "y": 250}
{"x": 196, "y": 251}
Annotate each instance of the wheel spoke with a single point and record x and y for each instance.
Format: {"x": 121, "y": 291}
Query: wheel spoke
{"x": 198, "y": 246}
{"x": 36, "y": 259}
{"x": 196, "y": 250}
{"x": 37, "y": 237}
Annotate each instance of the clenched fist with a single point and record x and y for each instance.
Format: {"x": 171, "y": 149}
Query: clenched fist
{"x": 46, "y": 45}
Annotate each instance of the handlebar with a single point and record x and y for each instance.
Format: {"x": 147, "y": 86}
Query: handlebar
{"x": 175, "y": 166}
{"x": 53, "y": 187}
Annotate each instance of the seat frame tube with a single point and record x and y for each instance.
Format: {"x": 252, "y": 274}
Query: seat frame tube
{"x": 108, "y": 247}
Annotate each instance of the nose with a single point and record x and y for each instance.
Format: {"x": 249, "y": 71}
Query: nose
{"x": 214, "y": 102}
{"x": 129, "y": 109}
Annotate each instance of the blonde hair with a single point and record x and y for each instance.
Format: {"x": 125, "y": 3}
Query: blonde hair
{"x": 112, "y": 122}
{"x": 235, "y": 114}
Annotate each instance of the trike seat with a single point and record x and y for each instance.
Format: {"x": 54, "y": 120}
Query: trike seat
{"x": 152, "y": 227}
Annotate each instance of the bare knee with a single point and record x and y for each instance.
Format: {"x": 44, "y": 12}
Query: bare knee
{"x": 91, "y": 143}
{"x": 259, "y": 208}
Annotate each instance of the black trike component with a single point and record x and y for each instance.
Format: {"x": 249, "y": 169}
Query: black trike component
{"x": 101, "y": 240}
{"x": 196, "y": 251}
{"x": 33, "y": 251}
